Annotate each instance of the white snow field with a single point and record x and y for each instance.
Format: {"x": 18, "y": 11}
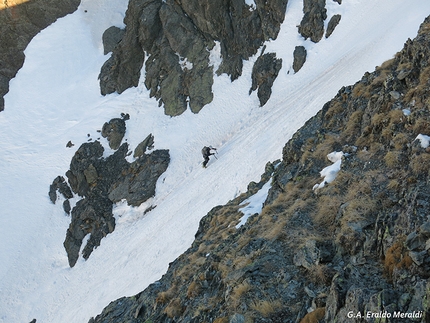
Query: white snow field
{"x": 55, "y": 98}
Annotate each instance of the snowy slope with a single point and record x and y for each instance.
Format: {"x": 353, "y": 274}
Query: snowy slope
{"x": 55, "y": 98}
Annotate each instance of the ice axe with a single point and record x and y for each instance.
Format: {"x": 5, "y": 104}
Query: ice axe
{"x": 216, "y": 151}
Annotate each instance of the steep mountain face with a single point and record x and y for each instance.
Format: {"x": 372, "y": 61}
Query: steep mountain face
{"x": 352, "y": 244}
{"x": 178, "y": 36}
{"x": 20, "y": 21}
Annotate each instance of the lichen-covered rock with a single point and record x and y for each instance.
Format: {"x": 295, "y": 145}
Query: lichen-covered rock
{"x": 102, "y": 182}
{"x": 264, "y": 73}
{"x": 336, "y": 297}
{"x": 147, "y": 143}
{"x": 59, "y": 184}
{"x": 314, "y": 253}
{"x": 299, "y": 58}
{"x": 237, "y": 318}
{"x": 178, "y": 37}
{"x": 114, "y": 131}
{"x": 333, "y": 22}
{"x": 111, "y": 37}
{"x": 312, "y": 24}
{"x": 137, "y": 184}
{"x": 93, "y": 216}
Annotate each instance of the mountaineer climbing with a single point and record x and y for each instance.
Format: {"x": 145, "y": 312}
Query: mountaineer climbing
{"x": 206, "y": 152}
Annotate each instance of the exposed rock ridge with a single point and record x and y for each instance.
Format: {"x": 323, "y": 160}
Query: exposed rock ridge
{"x": 177, "y": 37}
{"x": 19, "y": 23}
{"x": 359, "y": 245}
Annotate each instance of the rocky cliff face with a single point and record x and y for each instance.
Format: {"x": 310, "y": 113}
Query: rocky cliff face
{"x": 177, "y": 37}
{"x": 20, "y": 21}
{"x": 332, "y": 249}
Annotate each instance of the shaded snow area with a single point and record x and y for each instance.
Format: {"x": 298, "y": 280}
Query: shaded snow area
{"x": 254, "y": 204}
{"x": 424, "y": 140}
{"x": 330, "y": 172}
{"x": 55, "y": 98}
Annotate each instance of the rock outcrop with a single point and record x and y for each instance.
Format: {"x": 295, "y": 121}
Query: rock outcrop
{"x": 264, "y": 73}
{"x": 147, "y": 143}
{"x": 178, "y": 36}
{"x": 103, "y": 181}
{"x": 111, "y": 37}
{"x": 20, "y": 21}
{"x": 312, "y": 24}
{"x": 114, "y": 131}
{"x": 333, "y": 22}
{"x": 299, "y": 58}
{"x": 59, "y": 184}
{"x": 360, "y": 244}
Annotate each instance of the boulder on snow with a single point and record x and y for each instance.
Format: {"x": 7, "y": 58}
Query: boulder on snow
{"x": 299, "y": 58}
{"x": 87, "y": 154}
{"x": 66, "y": 206}
{"x": 264, "y": 73}
{"x": 334, "y": 21}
